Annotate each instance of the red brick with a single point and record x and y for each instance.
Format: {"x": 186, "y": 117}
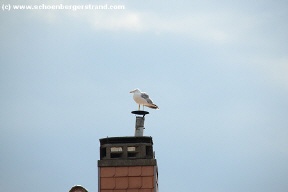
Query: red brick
{"x": 135, "y": 182}
{"x": 147, "y": 171}
{"x": 135, "y": 171}
{"x": 121, "y": 182}
{"x": 107, "y": 171}
{"x": 146, "y": 190}
{"x": 147, "y": 182}
{"x": 121, "y": 171}
{"x": 132, "y": 190}
{"x": 107, "y": 183}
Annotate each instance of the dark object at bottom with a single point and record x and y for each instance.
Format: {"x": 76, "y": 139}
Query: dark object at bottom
{"x": 140, "y": 112}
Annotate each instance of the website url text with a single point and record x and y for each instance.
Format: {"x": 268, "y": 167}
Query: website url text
{"x": 9, "y": 7}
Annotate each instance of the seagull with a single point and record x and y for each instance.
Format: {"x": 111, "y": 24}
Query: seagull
{"x": 142, "y": 98}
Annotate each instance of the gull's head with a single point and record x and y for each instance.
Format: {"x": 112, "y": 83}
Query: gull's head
{"x": 135, "y": 91}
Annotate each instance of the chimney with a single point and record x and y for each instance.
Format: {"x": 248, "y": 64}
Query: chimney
{"x": 139, "y": 125}
{"x": 128, "y": 163}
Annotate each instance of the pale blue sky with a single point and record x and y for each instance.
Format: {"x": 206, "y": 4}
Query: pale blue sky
{"x": 217, "y": 70}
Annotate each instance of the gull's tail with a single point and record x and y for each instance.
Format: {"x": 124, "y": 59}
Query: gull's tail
{"x": 152, "y": 106}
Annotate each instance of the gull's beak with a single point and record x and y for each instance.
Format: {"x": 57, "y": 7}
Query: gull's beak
{"x": 135, "y": 90}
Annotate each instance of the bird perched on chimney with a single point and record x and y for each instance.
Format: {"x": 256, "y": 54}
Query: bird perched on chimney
{"x": 143, "y": 99}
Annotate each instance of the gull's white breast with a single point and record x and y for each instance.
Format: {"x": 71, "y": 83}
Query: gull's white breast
{"x": 138, "y": 99}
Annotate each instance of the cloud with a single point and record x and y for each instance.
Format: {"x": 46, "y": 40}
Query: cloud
{"x": 275, "y": 69}
{"x": 208, "y": 26}
{"x": 224, "y": 29}
{"x": 248, "y": 34}
{"x": 103, "y": 21}
{"x": 213, "y": 27}
{"x": 223, "y": 25}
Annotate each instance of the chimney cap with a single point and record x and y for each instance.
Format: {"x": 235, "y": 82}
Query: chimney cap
{"x": 125, "y": 140}
{"x": 140, "y": 112}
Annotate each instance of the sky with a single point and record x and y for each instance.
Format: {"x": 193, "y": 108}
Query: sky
{"x": 216, "y": 69}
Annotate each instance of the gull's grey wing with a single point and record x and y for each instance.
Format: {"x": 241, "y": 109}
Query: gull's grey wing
{"x": 146, "y": 97}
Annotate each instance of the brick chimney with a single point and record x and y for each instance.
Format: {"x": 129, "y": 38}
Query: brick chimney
{"x": 127, "y": 164}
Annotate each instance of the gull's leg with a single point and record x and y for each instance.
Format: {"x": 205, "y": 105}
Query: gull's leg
{"x": 143, "y": 107}
{"x": 139, "y": 107}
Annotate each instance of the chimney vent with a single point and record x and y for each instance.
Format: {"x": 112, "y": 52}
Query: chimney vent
{"x": 139, "y": 125}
